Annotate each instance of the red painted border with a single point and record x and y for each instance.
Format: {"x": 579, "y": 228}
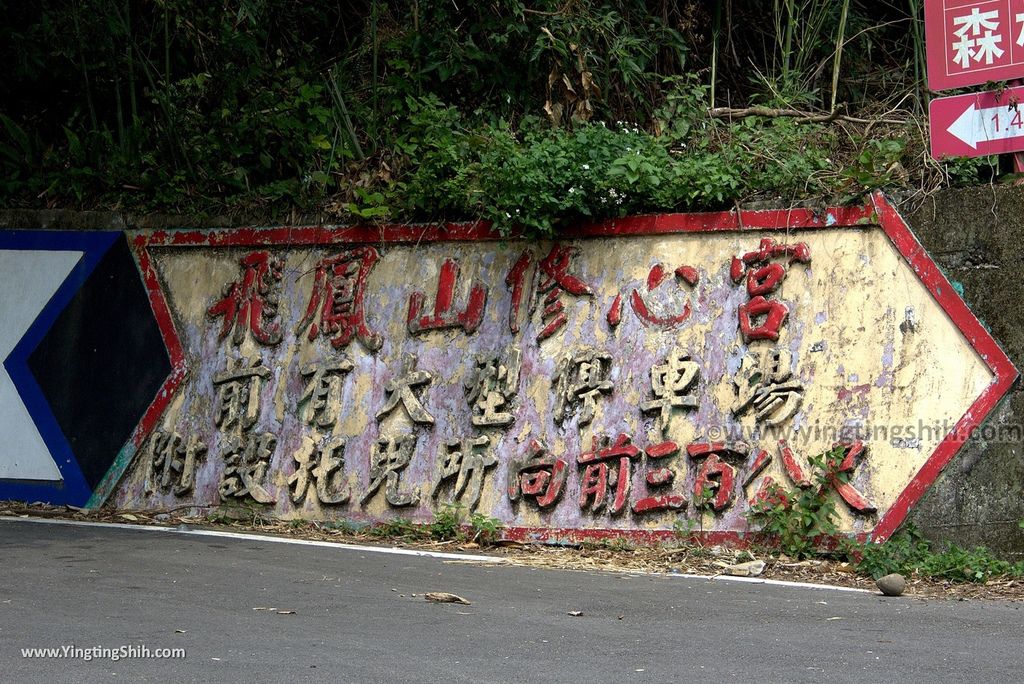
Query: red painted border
{"x": 878, "y": 212}
{"x": 162, "y": 313}
{"x": 1003, "y": 371}
{"x": 482, "y": 230}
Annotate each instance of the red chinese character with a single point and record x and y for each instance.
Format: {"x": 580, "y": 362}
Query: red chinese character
{"x": 538, "y": 475}
{"x": 769, "y": 492}
{"x": 516, "y": 280}
{"x": 250, "y": 303}
{"x": 657, "y": 275}
{"x": 598, "y": 474}
{"x": 554, "y": 280}
{"x": 763, "y": 277}
{"x": 661, "y": 476}
{"x": 336, "y": 302}
{"x": 444, "y": 316}
{"x": 715, "y": 478}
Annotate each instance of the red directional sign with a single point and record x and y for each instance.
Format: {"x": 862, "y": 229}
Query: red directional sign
{"x": 973, "y": 41}
{"x": 977, "y": 124}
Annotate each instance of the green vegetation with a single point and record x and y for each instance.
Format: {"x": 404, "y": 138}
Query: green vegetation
{"x": 798, "y": 520}
{"x": 486, "y": 530}
{"x": 910, "y": 554}
{"x": 801, "y": 523}
{"x": 446, "y": 523}
{"x": 533, "y": 114}
{"x": 397, "y": 528}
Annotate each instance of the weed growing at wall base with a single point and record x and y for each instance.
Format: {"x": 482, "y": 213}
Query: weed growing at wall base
{"x": 798, "y": 520}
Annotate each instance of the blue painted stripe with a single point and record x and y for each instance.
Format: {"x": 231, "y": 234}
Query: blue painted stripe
{"x": 73, "y": 490}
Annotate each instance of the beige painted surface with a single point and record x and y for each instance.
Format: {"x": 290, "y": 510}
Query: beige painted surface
{"x": 870, "y": 346}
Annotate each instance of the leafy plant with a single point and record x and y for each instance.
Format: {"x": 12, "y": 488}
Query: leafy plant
{"x": 910, "y": 554}
{"x": 446, "y": 525}
{"x": 397, "y": 528}
{"x": 486, "y": 530}
{"x": 799, "y": 519}
{"x": 876, "y": 166}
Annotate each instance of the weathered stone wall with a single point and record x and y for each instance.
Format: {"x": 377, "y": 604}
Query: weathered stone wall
{"x": 977, "y": 236}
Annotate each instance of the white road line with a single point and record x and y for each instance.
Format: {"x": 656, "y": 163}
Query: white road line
{"x": 778, "y": 583}
{"x": 261, "y": 537}
{"x": 395, "y": 550}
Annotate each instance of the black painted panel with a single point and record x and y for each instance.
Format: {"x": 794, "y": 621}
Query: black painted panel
{"x": 102, "y": 362}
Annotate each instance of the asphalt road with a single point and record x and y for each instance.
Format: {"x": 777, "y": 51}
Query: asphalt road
{"x": 105, "y": 587}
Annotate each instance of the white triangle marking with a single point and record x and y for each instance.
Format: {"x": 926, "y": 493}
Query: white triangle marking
{"x": 28, "y": 280}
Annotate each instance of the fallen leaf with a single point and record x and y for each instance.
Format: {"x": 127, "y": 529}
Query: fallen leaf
{"x": 832, "y": 618}
{"x": 129, "y": 516}
{"x": 576, "y": 613}
{"x": 181, "y": 631}
{"x": 286, "y": 612}
{"x": 445, "y": 597}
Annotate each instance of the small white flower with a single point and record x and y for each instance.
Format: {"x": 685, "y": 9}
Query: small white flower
{"x": 508, "y": 215}
{"x": 586, "y": 167}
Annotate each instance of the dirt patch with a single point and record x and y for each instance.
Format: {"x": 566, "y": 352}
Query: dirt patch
{"x": 689, "y": 558}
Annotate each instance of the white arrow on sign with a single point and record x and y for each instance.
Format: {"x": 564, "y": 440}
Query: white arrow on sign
{"x": 984, "y": 125}
{"x": 28, "y": 279}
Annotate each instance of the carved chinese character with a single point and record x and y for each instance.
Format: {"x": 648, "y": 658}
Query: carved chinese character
{"x": 401, "y": 389}
{"x": 669, "y": 384}
{"x": 172, "y": 462}
{"x": 462, "y": 459}
{"x": 580, "y": 379}
{"x": 659, "y": 477}
{"x": 320, "y": 471}
{"x": 250, "y": 304}
{"x": 764, "y": 383}
{"x": 336, "y": 303}
{"x": 538, "y": 475}
{"x": 246, "y": 460}
{"x": 838, "y": 473}
{"x": 444, "y": 316}
{"x": 599, "y": 474}
{"x": 322, "y": 393}
{"x": 715, "y": 477}
{"x": 553, "y": 281}
{"x": 491, "y": 388}
{"x": 763, "y": 277}
{"x": 238, "y": 394}
{"x": 391, "y": 455}
{"x": 643, "y": 309}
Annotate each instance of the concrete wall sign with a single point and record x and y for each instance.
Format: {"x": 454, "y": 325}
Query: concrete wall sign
{"x": 632, "y": 377}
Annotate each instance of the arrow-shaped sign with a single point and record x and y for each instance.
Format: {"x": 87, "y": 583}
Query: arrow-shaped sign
{"x": 977, "y": 124}
{"x": 985, "y": 125}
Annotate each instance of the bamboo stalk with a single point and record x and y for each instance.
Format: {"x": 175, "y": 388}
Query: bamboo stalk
{"x": 837, "y": 61}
